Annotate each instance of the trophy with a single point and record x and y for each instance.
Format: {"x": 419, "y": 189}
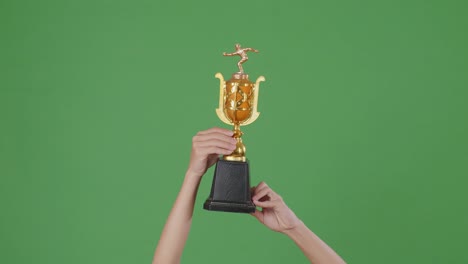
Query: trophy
{"x": 238, "y": 97}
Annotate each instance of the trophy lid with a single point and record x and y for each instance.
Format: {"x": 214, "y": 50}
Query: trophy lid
{"x": 240, "y": 76}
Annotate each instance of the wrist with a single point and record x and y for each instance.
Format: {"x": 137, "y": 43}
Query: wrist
{"x": 296, "y": 231}
{"x": 193, "y": 176}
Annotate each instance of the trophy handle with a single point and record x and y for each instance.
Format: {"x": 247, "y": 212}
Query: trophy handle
{"x": 219, "y": 110}
{"x": 255, "y": 113}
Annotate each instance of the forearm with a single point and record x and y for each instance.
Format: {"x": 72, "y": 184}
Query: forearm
{"x": 176, "y": 230}
{"x": 312, "y": 246}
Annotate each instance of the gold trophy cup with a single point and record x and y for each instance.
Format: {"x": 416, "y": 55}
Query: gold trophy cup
{"x": 238, "y": 98}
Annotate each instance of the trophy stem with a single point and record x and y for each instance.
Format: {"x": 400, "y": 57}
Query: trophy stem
{"x": 239, "y": 153}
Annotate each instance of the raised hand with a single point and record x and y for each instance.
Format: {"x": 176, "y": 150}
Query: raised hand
{"x": 275, "y": 214}
{"x": 207, "y": 145}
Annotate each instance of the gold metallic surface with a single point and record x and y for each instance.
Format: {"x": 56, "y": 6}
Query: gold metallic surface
{"x": 238, "y": 100}
{"x": 239, "y": 152}
{"x": 219, "y": 110}
{"x": 242, "y": 53}
{"x": 255, "y": 113}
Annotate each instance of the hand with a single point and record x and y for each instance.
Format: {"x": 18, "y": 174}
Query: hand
{"x": 207, "y": 146}
{"x": 224, "y": 53}
{"x": 256, "y": 51}
{"x": 275, "y": 214}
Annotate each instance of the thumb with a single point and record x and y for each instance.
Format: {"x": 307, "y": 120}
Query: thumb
{"x": 258, "y": 214}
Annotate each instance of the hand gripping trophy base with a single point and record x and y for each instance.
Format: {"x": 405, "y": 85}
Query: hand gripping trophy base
{"x": 230, "y": 191}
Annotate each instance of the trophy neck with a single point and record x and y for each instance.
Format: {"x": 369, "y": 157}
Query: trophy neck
{"x": 240, "y": 76}
{"x": 239, "y": 152}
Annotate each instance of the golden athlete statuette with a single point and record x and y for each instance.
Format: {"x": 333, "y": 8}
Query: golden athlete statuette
{"x": 238, "y": 98}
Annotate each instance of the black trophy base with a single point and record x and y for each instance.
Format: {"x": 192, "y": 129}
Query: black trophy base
{"x": 230, "y": 191}
{"x": 211, "y": 205}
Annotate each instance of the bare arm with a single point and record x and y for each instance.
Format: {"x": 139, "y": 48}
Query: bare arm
{"x": 277, "y": 216}
{"x": 206, "y": 147}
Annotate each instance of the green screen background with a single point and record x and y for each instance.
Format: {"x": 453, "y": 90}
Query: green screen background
{"x": 363, "y": 126}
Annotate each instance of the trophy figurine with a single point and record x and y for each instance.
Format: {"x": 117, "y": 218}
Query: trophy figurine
{"x": 238, "y": 97}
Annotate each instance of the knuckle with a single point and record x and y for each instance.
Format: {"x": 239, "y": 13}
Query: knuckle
{"x": 196, "y": 146}
{"x": 212, "y": 149}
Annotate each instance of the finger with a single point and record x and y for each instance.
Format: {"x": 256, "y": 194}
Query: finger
{"x": 261, "y": 184}
{"x": 266, "y": 204}
{"x": 261, "y": 188}
{"x": 214, "y": 135}
{"x": 258, "y": 214}
{"x": 224, "y": 131}
{"x": 258, "y": 193}
{"x": 262, "y": 192}
{"x": 216, "y": 143}
{"x": 215, "y": 150}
